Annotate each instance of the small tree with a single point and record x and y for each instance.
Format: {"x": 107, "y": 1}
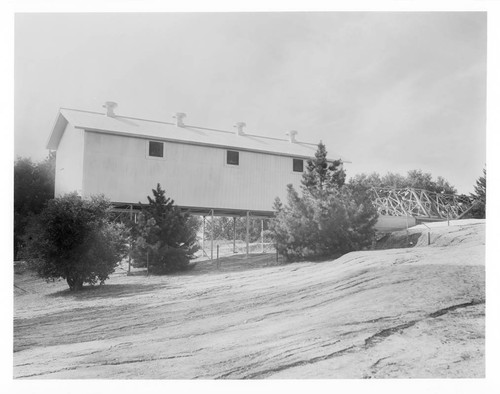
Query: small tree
{"x": 329, "y": 219}
{"x": 164, "y": 236}
{"x": 33, "y": 187}
{"x": 478, "y": 210}
{"x": 73, "y": 239}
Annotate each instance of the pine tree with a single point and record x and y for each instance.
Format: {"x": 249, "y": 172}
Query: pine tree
{"x": 329, "y": 218}
{"x": 478, "y": 210}
{"x": 165, "y": 237}
{"x": 159, "y": 204}
{"x": 320, "y": 175}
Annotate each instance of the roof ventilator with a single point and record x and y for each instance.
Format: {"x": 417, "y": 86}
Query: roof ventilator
{"x": 239, "y": 128}
{"x": 179, "y": 119}
{"x": 291, "y": 135}
{"x": 110, "y": 107}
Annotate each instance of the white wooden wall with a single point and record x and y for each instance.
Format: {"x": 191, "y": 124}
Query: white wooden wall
{"x": 197, "y": 176}
{"x": 69, "y": 162}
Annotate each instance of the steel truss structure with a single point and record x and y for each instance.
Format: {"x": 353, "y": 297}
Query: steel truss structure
{"x": 419, "y": 203}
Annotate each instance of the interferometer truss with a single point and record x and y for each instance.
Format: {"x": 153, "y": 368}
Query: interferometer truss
{"x": 419, "y": 203}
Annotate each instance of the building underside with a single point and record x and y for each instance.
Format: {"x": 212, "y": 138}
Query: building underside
{"x": 133, "y": 209}
{"x": 210, "y": 243}
{"x": 417, "y": 204}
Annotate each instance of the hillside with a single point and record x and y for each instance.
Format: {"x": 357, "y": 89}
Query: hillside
{"x": 400, "y": 313}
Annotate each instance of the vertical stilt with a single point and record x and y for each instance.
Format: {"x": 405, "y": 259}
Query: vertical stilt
{"x": 130, "y": 244}
{"x": 203, "y": 239}
{"x": 217, "y": 256}
{"x": 262, "y": 235}
{"x": 248, "y": 233}
{"x": 234, "y": 234}
{"x": 212, "y": 237}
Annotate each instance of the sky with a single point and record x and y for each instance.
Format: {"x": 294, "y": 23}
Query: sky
{"x": 390, "y": 91}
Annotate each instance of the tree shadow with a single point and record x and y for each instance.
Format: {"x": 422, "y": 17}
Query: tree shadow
{"x": 110, "y": 291}
{"x": 235, "y": 263}
{"x": 398, "y": 241}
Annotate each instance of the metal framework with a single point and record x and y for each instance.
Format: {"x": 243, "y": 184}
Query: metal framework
{"x": 211, "y": 242}
{"x": 422, "y": 204}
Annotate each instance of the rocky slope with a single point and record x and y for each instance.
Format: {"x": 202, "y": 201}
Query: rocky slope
{"x": 401, "y": 313}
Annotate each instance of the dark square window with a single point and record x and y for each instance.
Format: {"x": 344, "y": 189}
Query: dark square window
{"x": 233, "y": 157}
{"x": 298, "y": 165}
{"x": 155, "y": 149}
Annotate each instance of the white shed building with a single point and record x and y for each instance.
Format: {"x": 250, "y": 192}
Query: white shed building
{"x": 204, "y": 170}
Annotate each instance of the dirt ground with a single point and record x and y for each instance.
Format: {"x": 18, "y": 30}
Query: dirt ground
{"x": 401, "y": 313}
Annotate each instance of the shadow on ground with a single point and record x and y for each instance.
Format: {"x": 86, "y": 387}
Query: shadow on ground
{"x": 109, "y": 291}
{"x": 397, "y": 241}
{"x": 233, "y": 264}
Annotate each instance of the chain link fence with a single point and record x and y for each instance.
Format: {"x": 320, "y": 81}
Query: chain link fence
{"x": 222, "y": 236}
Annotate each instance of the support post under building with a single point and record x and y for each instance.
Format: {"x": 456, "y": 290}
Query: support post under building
{"x": 212, "y": 237}
{"x": 248, "y": 233}
{"x": 234, "y": 234}
{"x": 262, "y": 235}
{"x": 203, "y": 238}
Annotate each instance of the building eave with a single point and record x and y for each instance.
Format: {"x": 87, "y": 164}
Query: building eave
{"x": 186, "y": 142}
{"x": 58, "y": 128}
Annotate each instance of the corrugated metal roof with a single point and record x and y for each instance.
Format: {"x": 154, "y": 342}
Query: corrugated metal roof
{"x": 151, "y": 129}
